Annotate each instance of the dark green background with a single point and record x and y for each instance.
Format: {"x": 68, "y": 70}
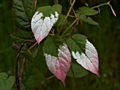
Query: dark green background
{"x": 105, "y": 38}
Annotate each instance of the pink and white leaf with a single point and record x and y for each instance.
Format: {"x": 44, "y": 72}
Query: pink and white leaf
{"x": 60, "y": 65}
{"x": 89, "y": 59}
{"x": 42, "y": 26}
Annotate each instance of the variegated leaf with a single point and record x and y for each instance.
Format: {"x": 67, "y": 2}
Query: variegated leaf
{"x": 42, "y": 25}
{"x": 84, "y": 53}
{"x": 58, "y": 64}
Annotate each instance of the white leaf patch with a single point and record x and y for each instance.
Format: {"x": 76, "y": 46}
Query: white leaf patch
{"x": 89, "y": 59}
{"x": 60, "y": 65}
{"x": 42, "y": 26}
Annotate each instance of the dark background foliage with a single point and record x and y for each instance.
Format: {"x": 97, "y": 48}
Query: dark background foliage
{"x": 106, "y": 38}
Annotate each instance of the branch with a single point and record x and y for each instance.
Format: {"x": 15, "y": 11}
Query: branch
{"x": 22, "y": 68}
{"x": 65, "y": 31}
{"x": 32, "y": 46}
{"x": 35, "y": 3}
{"x": 72, "y": 4}
{"x": 17, "y": 62}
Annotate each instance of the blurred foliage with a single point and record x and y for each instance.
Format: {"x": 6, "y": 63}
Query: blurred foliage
{"x": 105, "y": 37}
{"x": 6, "y": 83}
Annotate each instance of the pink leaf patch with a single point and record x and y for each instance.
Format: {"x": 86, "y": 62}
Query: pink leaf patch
{"x": 60, "y": 65}
{"x": 42, "y": 26}
{"x": 89, "y": 59}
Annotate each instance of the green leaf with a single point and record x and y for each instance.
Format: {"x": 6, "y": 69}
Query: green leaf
{"x": 34, "y": 79}
{"x": 48, "y": 10}
{"x": 24, "y": 34}
{"x": 29, "y": 8}
{"x": 21, "y": 35}
{"x": 6, "y": 83}
{"x": 23, "y": 10}
{"x": 60, "y": 20}
{"x": 35, "y": 69}
{"x": 88, "y": 20}
{"x": 3, "y": 75}
{"x": 77, "y": 71}
{"x": 10, "y": 81}
{"x": 51, "y": 45}
{"x": 77, "y": 43}
{"x": 87, "y": 11}
{"x": 57, "y": 7}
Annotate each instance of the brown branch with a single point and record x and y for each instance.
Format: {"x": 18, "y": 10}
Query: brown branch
{"x": 50, "y": 77}
{"x": 32, "y": 46}
{"x": 16, "y": 68}
{"x": 22, "y": 68}
{"x": 17, "y": 61}
{"x": 68, "y": 13}
{"x": 35, "y": 4}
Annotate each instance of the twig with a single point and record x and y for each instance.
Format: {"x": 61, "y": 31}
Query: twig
{"x": 70, "y": 26}
{"x": 32, "y": 46}
{"x": 72, "y": 16}
{"x": 103, "y": 4}
{"x": 16, "y": 65}
{"x": 73, "y": 8}
{"x": 67, "y": 15}
{"x": 112, "y": 9}
{"x": 35, "y": 4}
{"x": 22, "y": 68}
{"x": 50, "y": 77}
{"x": 43, "y": 82}
{"x": 69, "y": 10}
{"x": 106, "y": 3}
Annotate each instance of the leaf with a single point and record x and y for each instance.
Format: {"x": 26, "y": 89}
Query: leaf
{"x": 77, "y": 71}
{"x": 6, "y": 83}
{"x": 87, "y": 11}
{"x": 88, "y": 20}
{"x": 48, "y": 10}
{"x": 59, "y": 61}
{"x": 10, "y": 82}
{"x": 60, "y": 20}
{"x": 29, "y": 6}
{"x": 43, "y": 20}
{"x": 42, "y": 26}
{"x": 84, "y": 53}
{"x": 23, "y": 10}
{"x": 35, "y": 69}
{"x": 21, "y": 35}
{"x": 57, "y": 8}
{"x": 3, "y": 75}
{"x": 34, "y": 79}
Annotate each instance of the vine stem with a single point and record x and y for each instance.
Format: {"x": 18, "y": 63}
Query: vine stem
{"x": 35, "y": 3}
{"x": 16, "y": 67}
{"x": 72, "y": 8}
{"x": 106, "y": 3}
{"x": 23, "y": 67}
{"x": 103, "y": 4}
{"x": 32, "y": 46}
{"x": 72, "y": 4}
{"x": 70, "y": 26}
{"x": 68, "y": 13}
{"x": 17, "y": 62}
{"x": 50, "y": 77}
